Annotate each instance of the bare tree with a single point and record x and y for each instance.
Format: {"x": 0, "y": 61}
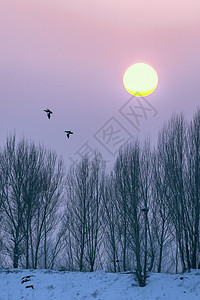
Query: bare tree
{"x": 130, "y": 197}
{"x": 78, "y": 195}
{"x": 83, "y": 209}
{"x": 47, "y": 216}
{"x": 120, "y": 177}
{"x": 146, "y": 176}
{"x": 94, "y": 209}
{"x": 160, "y": 224}
{"x": 111, "y": 224}
{"x": 193, "y": 187}
{"x": 12, "y": 173}
{"x": 172, "y": 150}
{"x": 25, "y": 170}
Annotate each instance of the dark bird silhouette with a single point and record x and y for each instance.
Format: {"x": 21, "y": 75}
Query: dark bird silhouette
{"x": 25, "y": 280}
{"x": 30, "y": 286}
{"x": 27, "y": 276}
{"x": 68, "y": 132}
{"x": 49, "y": 112}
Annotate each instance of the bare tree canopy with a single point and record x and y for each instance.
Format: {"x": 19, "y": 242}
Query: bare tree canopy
{"x": 84, "y": 187}
{"x": 30, "y": 180}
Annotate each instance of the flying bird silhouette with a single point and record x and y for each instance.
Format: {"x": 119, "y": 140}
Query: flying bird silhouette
{"x": 68, "y": 132}
{"x": 25, "y": 280}
{"x": 27, "y": 276}
{"x": 30, "y": 286}
{"x": 49, "y": 112}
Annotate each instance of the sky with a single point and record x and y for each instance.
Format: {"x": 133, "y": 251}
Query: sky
{"x": 70, "y": 57}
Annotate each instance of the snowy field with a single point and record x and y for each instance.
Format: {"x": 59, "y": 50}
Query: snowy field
{"x": 97, "y": 285}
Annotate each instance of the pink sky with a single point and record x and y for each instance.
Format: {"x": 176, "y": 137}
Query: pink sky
{"x": 71, "y": 56}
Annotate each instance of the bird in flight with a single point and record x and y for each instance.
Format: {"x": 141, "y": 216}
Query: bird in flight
{"x": 27, "y": 277}
{"x": 68, "y": 132}
{"x": 49, "y": 112}
{"x": 25, "y": 280}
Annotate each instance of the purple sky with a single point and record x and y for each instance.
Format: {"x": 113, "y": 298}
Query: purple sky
{"x": 70, "y": 56}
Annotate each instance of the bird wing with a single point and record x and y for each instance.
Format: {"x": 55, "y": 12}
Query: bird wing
{"x": 49, "y": 115}
{"x": 25, "y": 280}
{"x": 68, "y": 135}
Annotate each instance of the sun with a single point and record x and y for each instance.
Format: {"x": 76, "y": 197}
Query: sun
{"x": 140, "y": 79}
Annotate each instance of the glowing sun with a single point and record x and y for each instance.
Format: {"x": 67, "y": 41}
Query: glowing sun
{"x": 140, "y": 79}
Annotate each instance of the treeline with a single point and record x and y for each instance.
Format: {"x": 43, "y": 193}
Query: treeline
{"x": 31, "y": 185}
{"x": 143, "y": 215}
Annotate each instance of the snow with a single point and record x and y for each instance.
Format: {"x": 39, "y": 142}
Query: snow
{"x": 63, "y": 285}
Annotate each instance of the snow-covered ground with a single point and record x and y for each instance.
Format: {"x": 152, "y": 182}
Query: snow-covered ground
{"x": 97, "y": 285}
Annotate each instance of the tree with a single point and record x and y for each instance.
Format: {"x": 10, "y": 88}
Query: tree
{"x": 94, "y": 209}
{"x": 78, "y": 194}
{"x": 193, "y": 187}
{"x": 172, "y": 144}
{"x": 47, "y": 216}
{"x": 160, "y": 224}
{"x": 111, "y": 224}
{"x": 30, "y": 181}
{"x": 130, "y": 190}
{"x": 83, "y": 209}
